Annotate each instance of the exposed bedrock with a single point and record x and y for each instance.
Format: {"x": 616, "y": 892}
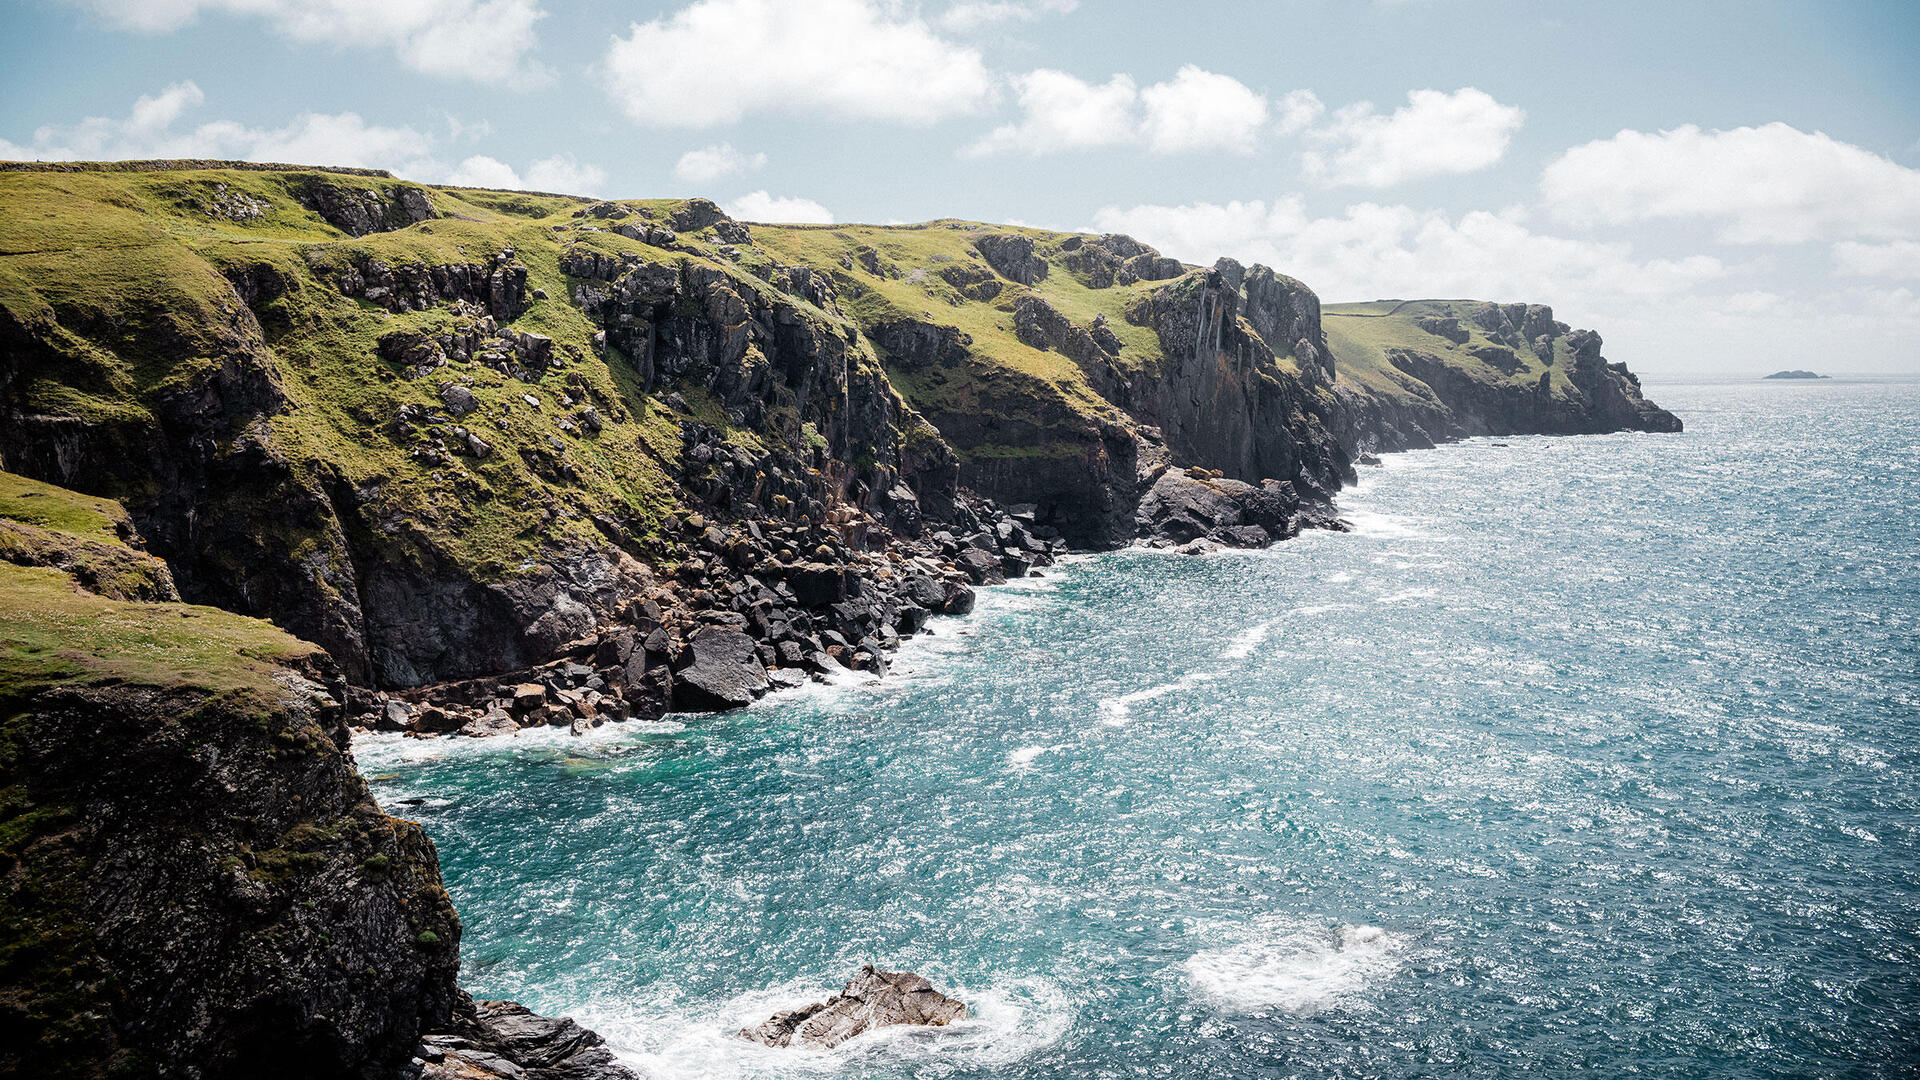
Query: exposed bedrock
{"x": 220, "y": 898}
{"x": 871, "y": 1000}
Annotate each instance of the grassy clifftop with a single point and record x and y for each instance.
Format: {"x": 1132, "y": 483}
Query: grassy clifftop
{"x": 442, "y": 430}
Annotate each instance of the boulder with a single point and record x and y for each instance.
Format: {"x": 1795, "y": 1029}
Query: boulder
{"x": 871, "y": 999}
{"x": 725, "y": 672}
{"x": 982, "y": 566}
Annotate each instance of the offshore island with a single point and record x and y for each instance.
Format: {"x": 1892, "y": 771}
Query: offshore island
{"x": 294, "y": 451}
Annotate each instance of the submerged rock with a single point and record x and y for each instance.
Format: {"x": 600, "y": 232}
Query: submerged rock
{"x": 871, "y": 999}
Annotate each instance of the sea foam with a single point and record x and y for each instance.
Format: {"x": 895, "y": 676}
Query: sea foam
{"x": 1008, "y": 1019}
{"x": 1296, "y": 969}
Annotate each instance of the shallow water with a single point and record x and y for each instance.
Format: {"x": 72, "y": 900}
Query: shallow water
{"x": 1593, "y": 755}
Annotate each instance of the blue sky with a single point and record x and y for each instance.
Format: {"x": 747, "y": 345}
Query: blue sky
{"x": 1719, "y": 188}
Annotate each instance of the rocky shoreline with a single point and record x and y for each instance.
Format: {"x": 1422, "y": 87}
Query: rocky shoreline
{"x": 767, "y": 605}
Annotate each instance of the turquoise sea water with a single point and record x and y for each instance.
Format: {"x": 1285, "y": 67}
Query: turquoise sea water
{"x": 1593, "y": 755}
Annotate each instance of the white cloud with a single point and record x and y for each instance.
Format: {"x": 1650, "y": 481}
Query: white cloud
{"x": 710, "y": 163}
{"x": 1899, "y": 259}
{"x": 715, "y": 61}
{"x": 1195, "y": 110}
{"x": 974, "y": 15}
{"x": 1064, "y": 113}
{"x": 1202, "y": 110}
{"x": 1901, "y": 305}
{"x": 147, "y": 131}
{"x": 323, "y": 139}
{"x": 157, "y": 112}
{"x": 1298, "y": 112}
{"x": 1768, "y": 184}
{"x": 484, "y": 40}
{"x": 1753, "y": 302}
{"x": 760, "y": 206}
{"x": 485, "y": 172}
{"x": 1396, "y": 251}
{"x": 565, "y": 174}
{"x": 1434, "y": 134}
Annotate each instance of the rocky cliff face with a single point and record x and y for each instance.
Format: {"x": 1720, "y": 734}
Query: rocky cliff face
{"x": 196, "y": 882}
{"x": 438, "y": 459}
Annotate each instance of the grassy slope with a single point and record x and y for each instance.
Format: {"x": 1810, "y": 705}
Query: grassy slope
{"x": 112, "y": 263}
{"x": 1032, "y": 385}
{"x": 109, "y": 263}
{"x": 43, "y": 525}
{"x": 1361, "y": 334}
{"x": 55, "y": 632}
{"x": 222, "y": 672}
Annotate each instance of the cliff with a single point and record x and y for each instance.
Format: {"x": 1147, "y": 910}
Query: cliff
{"x": 194, "y": 871}
{"x": 194, "y": 880}
{"x": 1414, "y": 372}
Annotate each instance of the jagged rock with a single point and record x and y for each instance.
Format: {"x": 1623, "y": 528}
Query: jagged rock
{"x": 1446, "y": 327}
{"x": 458, "y": 399}
{"x": 1012, "y": 256}
{"x": 725, "y": 673}
{"x": 358, "y": 211}
{"x": 218, "y": 883}
{"x": 503, "y": 1040}
{"x": 981, "y": 565}
{"x": 872, "y": 999}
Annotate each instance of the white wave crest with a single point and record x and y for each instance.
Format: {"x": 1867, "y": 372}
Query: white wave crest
{"x": 1118, "y": 710}
{"x": 1023, "y": 758}
{"x": 1298, "y": 970}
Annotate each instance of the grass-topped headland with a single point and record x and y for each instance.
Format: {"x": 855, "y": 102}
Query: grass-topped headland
{"x": 339, "y": 399}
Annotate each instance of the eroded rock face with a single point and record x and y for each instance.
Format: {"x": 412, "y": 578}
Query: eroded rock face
{"x": 503, "y": 1040}
{"x": 1013, "y": 257}
{"x": 229, "y": 898}
{"x": 871, "y": 999}
{"x": 358, "y": 211}
{"x": 1190, "y": 504}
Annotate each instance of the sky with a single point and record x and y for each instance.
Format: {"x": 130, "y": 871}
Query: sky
{"x": 1719, "y": 188}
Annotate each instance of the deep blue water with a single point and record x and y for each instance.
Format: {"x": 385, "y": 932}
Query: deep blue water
{"x": 1592, "y": 755}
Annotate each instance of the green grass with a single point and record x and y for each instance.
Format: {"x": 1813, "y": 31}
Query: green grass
{"x": 1361, "y": 336}
{"x": 53, "y": 633}
{"x": 123, "y": 276}
{"x": 44, "y": 525}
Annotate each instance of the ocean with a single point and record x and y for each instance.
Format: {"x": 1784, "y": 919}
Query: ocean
{"x": 1594, "y": 755}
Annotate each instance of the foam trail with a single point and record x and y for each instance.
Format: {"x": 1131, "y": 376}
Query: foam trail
{"x": 1297, "y": 970}
{"x": 1023, "y": 758}
{"x": 1249, "y": 640}
{"x": 1118, "y": 710}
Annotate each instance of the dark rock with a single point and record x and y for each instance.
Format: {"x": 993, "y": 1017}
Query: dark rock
{"x": 872, "y": 999}
{"x": 503, "y": 1040}
{"x": 725, "y": 672}
{"x": 981, "y": 565}
{"x": 1012, "y": 256}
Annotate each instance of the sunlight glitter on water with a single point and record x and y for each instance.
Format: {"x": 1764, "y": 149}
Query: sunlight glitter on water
{"x": 1577, "y": 755}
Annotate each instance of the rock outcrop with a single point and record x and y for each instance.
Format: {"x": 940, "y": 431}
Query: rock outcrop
{"x": 872, "y": 999}
{"x": 358, "y": 210}
{"x": 503, "y": 1040}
